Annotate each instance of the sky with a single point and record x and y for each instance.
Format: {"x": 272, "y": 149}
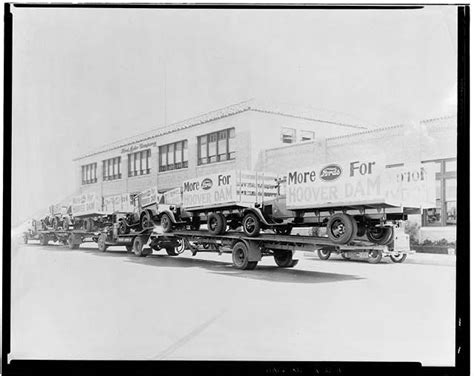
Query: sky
{"x": 86, "y": 77}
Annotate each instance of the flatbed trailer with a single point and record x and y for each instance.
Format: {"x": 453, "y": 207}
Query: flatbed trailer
{"x": 248, "y": 251}
{"x": 72, "y": 238}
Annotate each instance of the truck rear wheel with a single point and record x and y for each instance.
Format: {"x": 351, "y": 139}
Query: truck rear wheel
{"x": 380, "y": 235}
{"x": 284, "y": 259}
{"x": 398, "y": 259}
{"x": 101, "y": 242}
{"x": 324, "y": 253}
{"x": 340, "y": 228}
{"x": 138, "y": 244}
{"x": 240, "y": 257}
{"x": 251, "y": 225}
{"x": 216, "y": 223}
{"x": 166, "y": 223}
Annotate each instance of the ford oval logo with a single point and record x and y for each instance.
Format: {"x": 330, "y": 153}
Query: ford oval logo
{"x": 331, "y": 172}
{"x": 206, "y": 184}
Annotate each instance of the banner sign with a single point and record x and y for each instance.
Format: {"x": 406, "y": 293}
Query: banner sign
{"x": 150, "y": 196}
{"x": 85, "y": 204}
{"x": 173, "y": 197}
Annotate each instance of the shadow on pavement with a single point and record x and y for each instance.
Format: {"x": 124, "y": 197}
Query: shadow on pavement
{"x": 225, "y": 268}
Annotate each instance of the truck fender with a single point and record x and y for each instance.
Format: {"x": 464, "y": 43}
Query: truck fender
{"x": 170, "y": 214}
{"x": 254, "y": 251}
{"x": 258, "y": 213}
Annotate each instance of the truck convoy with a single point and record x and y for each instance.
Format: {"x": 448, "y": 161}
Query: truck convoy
{"x": 361, "y": 204}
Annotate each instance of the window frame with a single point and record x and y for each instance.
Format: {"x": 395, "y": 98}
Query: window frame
{"x": 219, "y": 156}
{"x": 164, "y": 165}
{"x": 89, "y": 173}
{"x": 139, "y": 163}
{"x": 111, "y": 168}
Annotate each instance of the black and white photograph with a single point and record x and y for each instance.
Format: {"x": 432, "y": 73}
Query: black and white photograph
{"x": 234, "y": 183}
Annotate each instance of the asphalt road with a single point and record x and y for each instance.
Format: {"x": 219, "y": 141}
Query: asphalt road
{"x": 83, "y": 304}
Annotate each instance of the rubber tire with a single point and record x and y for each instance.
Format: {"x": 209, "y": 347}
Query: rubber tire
{"x": 88, "y": 224}
{"x": 171, "y": 251}
{"x": 283, "y": 230}
{"x": 284, "y": 259}
{"x": 398, "y": 260}
{"x": 375, "y": 260}
{"x": 101, "y": 242}
{"x": 70, "y": 243}
{"x": 55, "y": 223}
{"x": 43, "y": 239}
{"x": 166, "y": 223}
{"x": 240, "y": 258}
{"x": 344, "y": 256}
{"x": 66, "y": 223}
{"x": 145, "y": 221}
{"x": 219, "y": 223}
{"x": 129, "y": 248}
{"x": 123, "y": 229}
{"x": 138, "y": 244}
{"x": 256, "y": 229}
{"x": 346, "y": 221}
{"x": 322, "y": 254}
{"x": 385, "y": 238}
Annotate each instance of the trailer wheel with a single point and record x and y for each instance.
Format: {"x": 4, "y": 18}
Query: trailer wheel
{"x": 101, "y": 242}
{"x": 345, "y": 256}
{"x": 340, "y": 228}
{"x": 240, "y": 257}
{"x": 398, "y": 259}
{"x": 375, "y": 256}
{"x": 380, "y": 235}
{"x": 43, "y": 239}
{"x": 283, "y": 230}
{"x": 284, "y": 259}
{"x": 175, "y": 251}
{"x": 216, "y": 223}
{"x": 138, "y": 244}
{"x": 166, "y": 223}
{"x": 324, "y": 254}
{"x": 25, "y": 238}
{"x": 251, "y": 225}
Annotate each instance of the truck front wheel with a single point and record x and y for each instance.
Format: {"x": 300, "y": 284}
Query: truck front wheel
{"x": 251, "y": 225}
{"x": 340, "y": 228}
{"x": 166, "y": 223}
{"x": 240, "y": 257}
{"x": 145, "y": 221}
{"x": 122, "y": 227}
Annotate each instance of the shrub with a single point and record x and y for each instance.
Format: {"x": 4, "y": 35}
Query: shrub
{"x": 413, "y": 229}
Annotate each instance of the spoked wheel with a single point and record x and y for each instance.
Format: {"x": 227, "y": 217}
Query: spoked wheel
{"x": 122, "y": 227}
{"x": 380, "y": 235}
{"x": 375, "y": 256}
{"x": 251, "y": 225}
{"x": 146, "y": 221}
{"x": 166, "y": 223}
{"x": 324, "y": 253}
{"x": 398, "y": 259}
{"x": 240, "y": 257}
{"x": 284, "y": 259}
{"x": 101, "y": 242}
{"x": 216, "y": 223}
{"x": 340, "y": 228}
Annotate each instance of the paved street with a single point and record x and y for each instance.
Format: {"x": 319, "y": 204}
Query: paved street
{"x": 83, "y": 304}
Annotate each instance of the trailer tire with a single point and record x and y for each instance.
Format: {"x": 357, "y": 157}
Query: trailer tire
{"x": 324, "y": 254}
{"x": 284, "y": 259}
{"x": 43, "y": 239}
{"x": 380, "y": 235}
{"x": 138, "y": 244}
{"x": 70, "y": 242}
{"x": 129, "y": 248}
{"x": 375, "y": 256}
{"x": 340, "y": 228}
{"x": 216, "y": 223}
{"x": 398, "y": 259}
{"x": 251, "y": 225}
{"x": 101, "y": 242}
{"x": 166, "y": 223}
{"x": 240, "y": 257}
{"x": 175, "y": 251}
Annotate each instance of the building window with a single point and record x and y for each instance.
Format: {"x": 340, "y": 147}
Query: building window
{"x": 307, "y": 135}
{"x": 89, "y": 173}
{"x": 139, "y": 163}
{"x": 111, "y": 169}
{"x": 174, "y": 156}
{"x": 445, "y": 213}
{"x": 288, "y": 135}
{"x": 216, "y": 147}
